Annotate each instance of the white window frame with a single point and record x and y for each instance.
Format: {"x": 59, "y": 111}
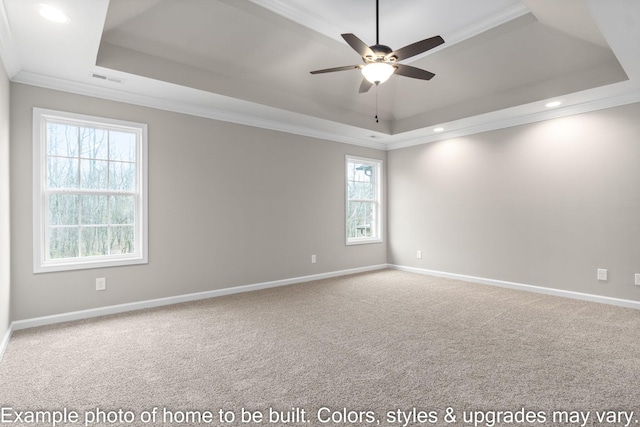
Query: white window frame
{"x": 377, "y": 231}
{"x": 41, "y": 261}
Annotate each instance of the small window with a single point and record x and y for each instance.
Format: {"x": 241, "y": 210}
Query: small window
{"x": 364, "y": 195}
{"x": 90, "y": 191}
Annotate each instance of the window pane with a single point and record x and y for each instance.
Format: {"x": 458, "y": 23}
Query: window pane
{"x": 63, "y": 209}
{"x": 94, "y": 174}
{"x": 122, "y": 209}
{"x": 63, "y": 242}
{"x": 94, "y": 241}
{"x": 360, "y": 219}
{"x": 122, "y": 146}
{"x": 122, "y": 240}
{"x": 351, "y": 171}
{"x": 362, "y": 191}
{"x": 62, "y": 172}
{"x": 122, "y": 176}
{"x": 94, "y": 143}
{"x": 62, "y": 140}
{"x": 94, "y": 209}
{"x": 363, "y": 172}
{"x": 361, "y": 179}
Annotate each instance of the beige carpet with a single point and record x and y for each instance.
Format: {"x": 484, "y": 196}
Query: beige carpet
{"x": 375, "y": 342}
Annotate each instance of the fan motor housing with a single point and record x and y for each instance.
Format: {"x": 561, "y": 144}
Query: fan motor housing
{"x": 381, "y": 51}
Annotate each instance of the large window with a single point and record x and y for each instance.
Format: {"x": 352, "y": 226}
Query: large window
{"x": 89, "y": 191}
{"x": 364, "y": 195}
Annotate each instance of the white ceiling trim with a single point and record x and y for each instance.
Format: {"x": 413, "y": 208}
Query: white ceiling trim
{"x": 210, "y": 111}
{"x": 618, "y": 94}
{"x": 475, "y": 29}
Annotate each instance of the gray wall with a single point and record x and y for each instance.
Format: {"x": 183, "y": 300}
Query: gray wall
{"x": 542, "y": 204}
{"x": 229, "y": 205}
{"x": 5, "y": 262}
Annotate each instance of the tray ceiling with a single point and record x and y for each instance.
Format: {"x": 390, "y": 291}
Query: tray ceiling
{"x": 249, "y": 61}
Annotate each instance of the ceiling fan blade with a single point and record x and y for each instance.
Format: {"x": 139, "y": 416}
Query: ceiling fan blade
{"x": 417, "y": 48}
{"x": 365, "y": 86}
{"x": 331, "y": 70}
{"x": 416, "y": 73}
{"x": 358, "y": 45}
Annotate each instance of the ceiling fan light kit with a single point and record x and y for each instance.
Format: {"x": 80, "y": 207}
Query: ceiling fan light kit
{"x": 377, "y": 72}
{"x": 381, "y": 61}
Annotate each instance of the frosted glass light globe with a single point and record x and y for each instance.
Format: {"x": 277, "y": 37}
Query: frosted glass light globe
{"x": 377, "y": 72}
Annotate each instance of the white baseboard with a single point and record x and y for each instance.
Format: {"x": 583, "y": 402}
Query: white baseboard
{"x": 523, "y": 287}
{"x": 5, "y": 341}
{"x": 121, "y": 308}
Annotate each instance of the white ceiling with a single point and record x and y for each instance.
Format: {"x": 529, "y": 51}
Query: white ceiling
{"x": 248, "y": 61}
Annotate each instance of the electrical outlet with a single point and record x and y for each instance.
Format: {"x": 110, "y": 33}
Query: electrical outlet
{"x": 313, "y": 259}
{"x": 602, "y": 274}
{"x": 419, "y": 254}
{"x": 637, "y": 279}
{"x": 101, "y": 284}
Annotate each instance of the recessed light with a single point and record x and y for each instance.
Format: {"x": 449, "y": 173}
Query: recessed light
{"x": 438, "y": 129}
{"x": 553, "y": 104}
{"x": 52, "y": 14}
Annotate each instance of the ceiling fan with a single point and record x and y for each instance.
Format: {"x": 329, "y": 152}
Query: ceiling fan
{"x": 380, "y": 62}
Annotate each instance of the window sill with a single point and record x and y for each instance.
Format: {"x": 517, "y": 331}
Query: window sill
{"x": 362, "y": 241}
{"x": 89, "y": 263}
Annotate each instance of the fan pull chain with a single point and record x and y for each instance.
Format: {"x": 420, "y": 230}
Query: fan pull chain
{"x": 377, "y": 104}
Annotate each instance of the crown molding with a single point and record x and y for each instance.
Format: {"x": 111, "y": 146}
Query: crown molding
{"x": 476, "y": 29}
{"x": 596, "y": 99}
{"x": 514, "y": 117}
{"x": 316, "y": 129}
{"x": 299, "y": 15}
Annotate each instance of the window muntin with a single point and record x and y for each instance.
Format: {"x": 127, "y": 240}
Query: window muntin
{"x": 90, "y": 203}
{"x": 363, "y": 200}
